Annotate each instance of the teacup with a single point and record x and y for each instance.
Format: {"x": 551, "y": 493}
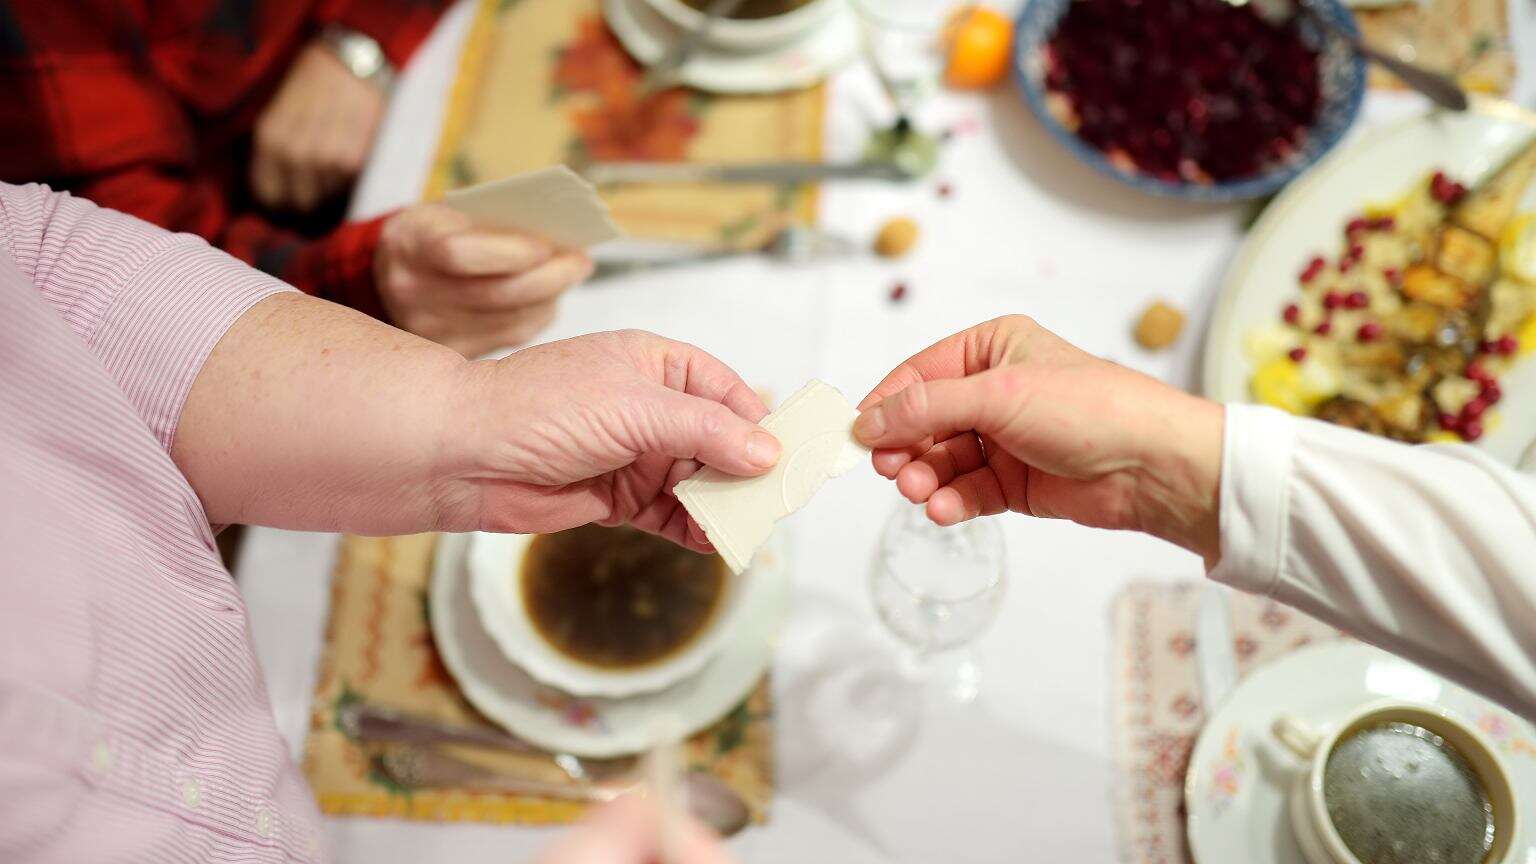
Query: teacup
{"x": 496, "y": 571}
{"x": 749, "y": 34}
{"x": 1315, "y": 831}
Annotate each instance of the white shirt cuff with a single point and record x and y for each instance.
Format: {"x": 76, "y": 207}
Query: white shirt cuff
{"x": 1257, "y": 455}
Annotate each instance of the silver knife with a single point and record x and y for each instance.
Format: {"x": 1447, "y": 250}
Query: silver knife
{"x": 1215, "y": 654}
{"x": 776, "y": 173}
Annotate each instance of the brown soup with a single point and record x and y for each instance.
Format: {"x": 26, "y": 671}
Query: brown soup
{"x": 617, "y": 597}
{"x": 754, "y": 8}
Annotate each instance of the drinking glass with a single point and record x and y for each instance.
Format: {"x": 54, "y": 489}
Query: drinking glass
{"x": 937, "y": 589}
{"x": 904, "y": 41}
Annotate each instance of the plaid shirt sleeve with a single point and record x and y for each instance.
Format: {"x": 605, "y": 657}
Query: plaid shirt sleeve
{"x": 79, "y": 111}
{"x": 399, "y": 26}
{"x": 337, "y": 267}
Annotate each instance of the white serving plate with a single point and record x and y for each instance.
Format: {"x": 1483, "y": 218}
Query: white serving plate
{"x": 1308, "y": 218}
{"x": 799, "y": 62}
{"x": 601, "y": 727}
{"x": 495, "y": 587}
{"x": 1240, "y": 777}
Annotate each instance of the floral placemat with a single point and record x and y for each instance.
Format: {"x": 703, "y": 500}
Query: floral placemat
{"x": 379, "y": 650}
{"x": 1156, "y": 696}
{"x": 543, "y": 82}
{"x": 1465, "y": 38}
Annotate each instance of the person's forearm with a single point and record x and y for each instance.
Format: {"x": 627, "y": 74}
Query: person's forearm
{"x": 1428, "y": 552}
{"x": 308, "y": 415}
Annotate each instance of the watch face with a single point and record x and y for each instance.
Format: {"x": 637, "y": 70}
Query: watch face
{"x": 360, "y": 54}
{"x": 363, "y": 56}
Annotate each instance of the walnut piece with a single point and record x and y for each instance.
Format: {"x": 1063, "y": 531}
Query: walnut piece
{"x": 896, "y": 237}
{"x": 1159, "y": 326}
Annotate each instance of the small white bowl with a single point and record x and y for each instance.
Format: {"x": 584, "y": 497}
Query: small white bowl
{"x": 495, "y": 584}
{"x": 748, "y": 34}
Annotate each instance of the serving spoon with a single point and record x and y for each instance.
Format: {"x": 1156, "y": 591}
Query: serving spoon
{"x": 364, "y": 722}
{"x": 1439, "y": 89}
{"x": 709, "y": 799}
{"x": 412, "y": 762}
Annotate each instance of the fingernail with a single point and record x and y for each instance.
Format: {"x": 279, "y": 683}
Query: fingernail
{"x": 870, "y": 425}
{"x": 762, "y": 449}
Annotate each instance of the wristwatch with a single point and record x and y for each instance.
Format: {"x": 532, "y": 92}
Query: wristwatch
{"x": 360, "y": 53}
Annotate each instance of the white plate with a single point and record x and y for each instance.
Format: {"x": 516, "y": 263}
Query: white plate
{"x": 599, "y": 727}
{"x": 1308, "y": 218}
{"x": 494, "y": 560}
{"x": 1239, "y": 776}
{"x": 799, "y": 63}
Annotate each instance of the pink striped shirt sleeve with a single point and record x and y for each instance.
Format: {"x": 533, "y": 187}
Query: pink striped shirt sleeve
{"x": 148, "y": 303}
{"x": 134, "y": 725}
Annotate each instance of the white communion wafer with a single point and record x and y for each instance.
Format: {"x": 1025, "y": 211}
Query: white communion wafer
{"x": 553, "y": 203}
{"x": 815, "y": 428}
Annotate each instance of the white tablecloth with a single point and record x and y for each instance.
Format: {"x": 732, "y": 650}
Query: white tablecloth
{"x": 866, "y": 773}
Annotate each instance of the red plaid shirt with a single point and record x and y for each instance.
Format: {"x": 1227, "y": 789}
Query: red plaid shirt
{"x": 147, "y": 106}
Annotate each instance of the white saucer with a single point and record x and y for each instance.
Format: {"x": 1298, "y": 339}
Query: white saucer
{"x": 800, "y": 63}
{"x": 591, "y": 726}
{"x": 1239, "y": 776}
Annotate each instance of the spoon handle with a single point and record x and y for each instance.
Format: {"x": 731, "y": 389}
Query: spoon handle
{"x": 425, "y": 768}
{"x": 663, "y": 72}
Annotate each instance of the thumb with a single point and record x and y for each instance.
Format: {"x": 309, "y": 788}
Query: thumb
{"x": 937, "y": 410}
{"x": 690, "y": 427}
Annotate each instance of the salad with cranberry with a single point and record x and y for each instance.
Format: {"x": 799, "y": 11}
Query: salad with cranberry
{"x": 1407, "y": 330}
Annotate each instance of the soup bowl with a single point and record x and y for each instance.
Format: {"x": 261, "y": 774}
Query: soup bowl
{"x": 496, "y": 573}
{"x": 749, "y": 34}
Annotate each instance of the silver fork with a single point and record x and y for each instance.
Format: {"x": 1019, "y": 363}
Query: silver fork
{"x": 793, "y": 245}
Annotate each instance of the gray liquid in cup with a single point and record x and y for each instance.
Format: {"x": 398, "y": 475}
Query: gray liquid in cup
{"x": 1400, "y": 794}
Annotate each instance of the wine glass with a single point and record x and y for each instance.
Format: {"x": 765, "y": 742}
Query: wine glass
{"x": 937, "y": 589}
{"x": 904, "y": 43}
{"x": 904, "y": 40}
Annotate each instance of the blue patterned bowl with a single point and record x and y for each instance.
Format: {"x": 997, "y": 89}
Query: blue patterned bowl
{"x": 1341, "y": 78}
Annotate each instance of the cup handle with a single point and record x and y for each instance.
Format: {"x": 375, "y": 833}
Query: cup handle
{"x": 1297, "y": 735}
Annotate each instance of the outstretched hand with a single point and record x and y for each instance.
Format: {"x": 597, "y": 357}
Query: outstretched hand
{"x": 1008, "y": 416}
{"x": 599, "y": 428}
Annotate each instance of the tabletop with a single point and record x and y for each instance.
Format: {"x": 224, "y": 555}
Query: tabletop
{"x": 867, "y": 770}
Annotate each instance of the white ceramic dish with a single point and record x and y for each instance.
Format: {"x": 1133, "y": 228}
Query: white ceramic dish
{"x": 1308, "y": 218}
{"x": 1240, "y": 776}
{"x": 744, "y": 34}
{"x": 1314, "y": 829}
{"x": 563, "y": 723}
{"x": 495, "y": 585}
{"x": 799, "y": 62}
